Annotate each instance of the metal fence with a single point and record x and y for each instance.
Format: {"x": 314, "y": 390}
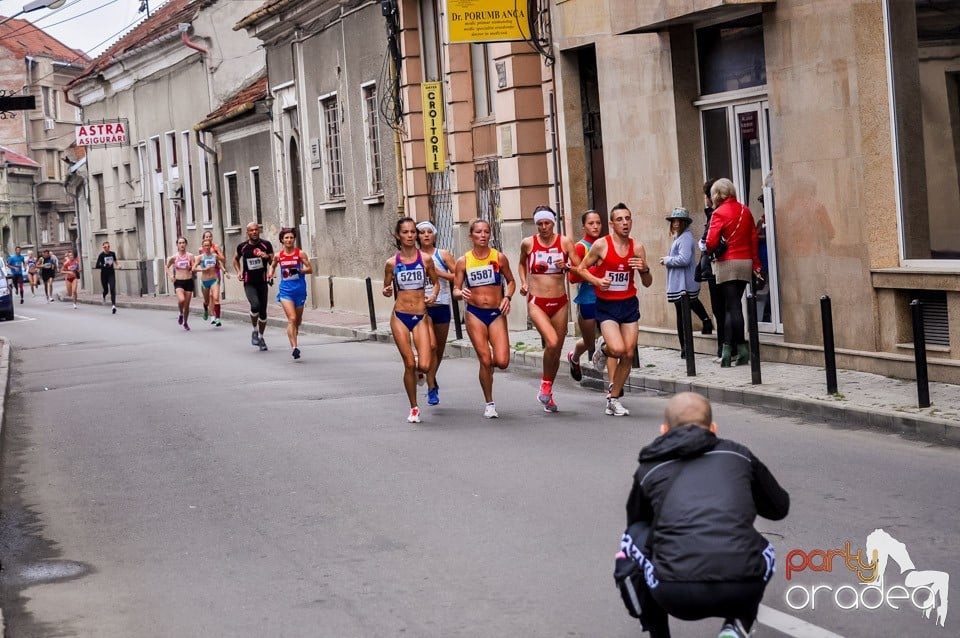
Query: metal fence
{"x": 487, "y": 175}
{"x": 441, "y": 207}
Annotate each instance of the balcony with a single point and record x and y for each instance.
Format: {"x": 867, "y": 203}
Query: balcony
{"x": 53, "y": 193}
{"x": 630, "y": 16}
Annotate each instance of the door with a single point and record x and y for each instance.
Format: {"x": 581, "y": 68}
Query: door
{"x": 736, "y": 139}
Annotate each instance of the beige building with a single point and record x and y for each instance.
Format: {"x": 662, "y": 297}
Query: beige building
{"x": 838, "y": 122}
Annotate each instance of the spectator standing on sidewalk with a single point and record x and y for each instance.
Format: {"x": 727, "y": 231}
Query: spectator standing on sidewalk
{"x": 544, "y": 259}
{"x": 706, "y": 271}
{"x": 681, "y": 263}
{"x": 439, "y": 311}
{"x": 617, "y": 256}
{"x": 107, "y": 264}
{"x": 690, "y": 519}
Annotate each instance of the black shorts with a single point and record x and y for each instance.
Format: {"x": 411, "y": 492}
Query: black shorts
{"x": 619, "y": 310}
{"x": 439, "y": 314}
{"x": 184, "y": 284}
{"x": 47, "y": 274}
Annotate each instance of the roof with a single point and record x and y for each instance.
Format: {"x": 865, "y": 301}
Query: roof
{"x": 164, "y": 20}
{"x": 241, "y": 102}
{"x": 22, "y": 38}
{"x": 266, "y": 10}
{"x": 12, "y": 157}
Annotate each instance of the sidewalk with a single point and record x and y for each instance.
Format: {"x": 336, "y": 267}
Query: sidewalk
{"x": 863, "y": 401}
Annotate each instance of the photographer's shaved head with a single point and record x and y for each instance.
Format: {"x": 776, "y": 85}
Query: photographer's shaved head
{"x": 688, "y": 408}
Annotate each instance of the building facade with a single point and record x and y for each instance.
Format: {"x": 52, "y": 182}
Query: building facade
{"x": 18, "y": 175}
{"x": 837, "y": 121}
{"x": 159, "y": 81}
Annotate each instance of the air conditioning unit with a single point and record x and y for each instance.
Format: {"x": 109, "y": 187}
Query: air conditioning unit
{"x": 174, "y": 189}
{"x": 48, "y": 124}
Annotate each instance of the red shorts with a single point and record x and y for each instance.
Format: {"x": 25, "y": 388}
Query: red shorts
{"x": 550, "y": 305}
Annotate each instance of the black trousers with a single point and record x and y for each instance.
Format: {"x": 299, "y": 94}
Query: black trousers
{"x": 108, "y": 281}
{"x": 257, "y": 296}
{"x": 717, "y": 306}
{"x": 732, "y": 292}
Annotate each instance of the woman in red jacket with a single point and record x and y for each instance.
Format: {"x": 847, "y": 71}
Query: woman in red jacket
{"x": 733, "y": 221}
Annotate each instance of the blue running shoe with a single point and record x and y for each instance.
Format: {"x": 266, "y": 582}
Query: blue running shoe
{"x": 433, "y": 396}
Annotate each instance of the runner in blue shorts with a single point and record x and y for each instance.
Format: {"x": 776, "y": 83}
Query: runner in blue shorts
{"x": 292, "y": 294}
{"x": 586, "y": 298}
{"x": 439, "y": 312}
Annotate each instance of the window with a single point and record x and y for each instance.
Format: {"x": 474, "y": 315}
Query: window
{"x": 101, "y": 201}
{"x": 62, "y": 230}
{"x": 157, "y": 155}
{"x": 923, "y": 49}
{"x": 127, "y": 181}
{"x": 255, "y": 194}
{"x": 47, "y": 97}
{"x": 171, "y": 144}
{"x": 233, "y": 198}
{"x": 330, "y": 127}
{"x": 142, "y": 167}
{"x": 117, "y": 188}
{"x": 52, "y": 168}
{"x": 483, "y": 88}
{"x": 187, "y": 182}
{"x": 730, "y": 56}
{"x": 372, "y": 147}
{"x": 430, "y": 41}
{"x": 205, "y": 188}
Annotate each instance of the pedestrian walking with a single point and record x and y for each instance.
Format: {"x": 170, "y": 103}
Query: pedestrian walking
{"x": 681, "y": 265}
{"x": 250, "y": 262}
{"x": 406, "y": 274}
{"x": 210, "y": 264}
{"x": 544, "y": 259}
{"x": 690, "y": 519}
{"x": 479, "y": 278}
{"x": 107, "y": 265}
{"x": 294, "y": 267}
{"x": 439, "y": 311}
{"x": 180, "y": 269}
{"x": 71, "y": 274}
{"x": 617, "y": 257}
{"x": 706, "y": 272}
{"x": 732, "y": 239}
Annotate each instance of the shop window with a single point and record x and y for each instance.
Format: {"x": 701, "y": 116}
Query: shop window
{"x": 730, "y": 56}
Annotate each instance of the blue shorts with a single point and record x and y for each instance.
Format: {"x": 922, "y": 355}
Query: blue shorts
{"x": 487, "y": 316}
{"x": 588, "y": 311}
{"x": 619, "y": 310}
{"x": 439, "y": 314}
{"x": 409, "y": 320}
{"x": 298, "y": 297}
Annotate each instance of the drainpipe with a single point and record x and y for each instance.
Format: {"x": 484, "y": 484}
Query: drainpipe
{"x": 184, "y": 28}
{"x": 216, "y": 178}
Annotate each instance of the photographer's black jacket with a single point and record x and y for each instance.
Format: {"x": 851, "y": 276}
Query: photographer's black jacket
{"x": 705, "y": 528}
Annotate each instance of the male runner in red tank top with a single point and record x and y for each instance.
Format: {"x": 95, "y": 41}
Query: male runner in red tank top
{"x": 618, "y": 308}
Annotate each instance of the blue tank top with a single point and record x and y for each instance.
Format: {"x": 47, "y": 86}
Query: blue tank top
{"x": 585, "y": 292}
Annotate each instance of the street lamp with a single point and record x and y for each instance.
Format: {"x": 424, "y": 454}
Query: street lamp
{"x": 34, "y": 5}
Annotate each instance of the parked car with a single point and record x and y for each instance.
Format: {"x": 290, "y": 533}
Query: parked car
{"x": 6, "y": 295}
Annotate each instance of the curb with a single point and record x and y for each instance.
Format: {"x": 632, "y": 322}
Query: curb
{"x": 5, "y": 382}
{"x": 923, "y": 428}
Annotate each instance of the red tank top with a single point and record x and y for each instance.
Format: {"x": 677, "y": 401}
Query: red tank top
{"x": 542, "y": 258}
{"x": 616, "y": 269}
{"x": 288, "y": 262}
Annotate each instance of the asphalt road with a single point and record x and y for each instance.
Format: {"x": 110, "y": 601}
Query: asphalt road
{"x": 163, "y": 483}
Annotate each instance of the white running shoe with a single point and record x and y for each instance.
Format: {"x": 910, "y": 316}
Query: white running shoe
{"x": 414, "y": 415}
{"x": 615, "y": 408}
{"x": 490, "y": 411}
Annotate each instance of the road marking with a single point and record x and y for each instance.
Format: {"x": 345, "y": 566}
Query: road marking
{"x": 25, "y": 318}
{"x": 790, "y": 625}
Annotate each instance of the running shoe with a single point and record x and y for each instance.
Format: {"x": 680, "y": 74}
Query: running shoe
{"x": 550, "y": 406}
{"x": 180, "y": 320}
{"x": 214, "y": 320}
{"x": 733, "y": 629}
{"x": 490, "y": 411}
{"x": 206, "y": 313}
{"x": 296, "y": 353}
{"x": 615, "y": 408}
{"x": 414, "y": 415}
{"x": 254, "y": 338}
{"x": 599, "y": 356}
{"x": 433, "y": 395}
{"x": 186, "y": 326}
{"x": 546, "y": 392}
{"x": 21, "y": 299}
{"x": 262, "y": 344}
{"x": 74, "y": 305}
{"x": 114, "y": 310}
{"x": 610, "y": 390}
{"x": 217, "y": 323}
{"x": 575, "y": 371}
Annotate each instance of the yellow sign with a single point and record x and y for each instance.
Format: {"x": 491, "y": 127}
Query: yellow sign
{"x": 432, "y": 95}
{"x": 487, "y": 20}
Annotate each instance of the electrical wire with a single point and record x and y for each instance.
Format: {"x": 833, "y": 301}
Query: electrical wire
{"x": 45, "y": 16}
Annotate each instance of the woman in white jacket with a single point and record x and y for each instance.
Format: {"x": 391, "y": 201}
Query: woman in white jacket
{"x": 681, "y": 264}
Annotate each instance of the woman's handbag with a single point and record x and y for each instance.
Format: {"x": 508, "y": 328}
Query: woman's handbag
{"x": 704, "y": 270}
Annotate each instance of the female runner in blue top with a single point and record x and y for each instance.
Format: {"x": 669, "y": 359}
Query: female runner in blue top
{"x": 292, "y": 292}
{"x": 407, "y": 273}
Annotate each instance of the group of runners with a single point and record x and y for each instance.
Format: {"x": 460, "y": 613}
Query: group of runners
{"x": 40, "y": 273}
{"x": 420, "y": 276}
{"x": 255, "y": 264}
